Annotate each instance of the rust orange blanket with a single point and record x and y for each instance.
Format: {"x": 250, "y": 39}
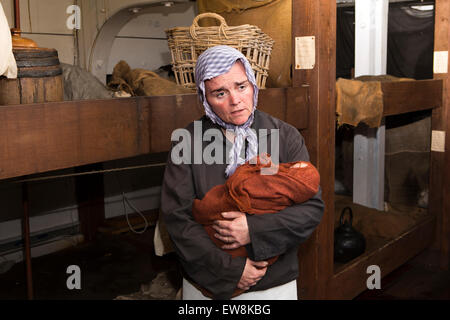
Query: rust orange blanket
{"x": 249, "y": 191}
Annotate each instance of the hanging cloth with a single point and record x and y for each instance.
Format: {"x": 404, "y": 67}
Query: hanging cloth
{"x": 8, "y": 66}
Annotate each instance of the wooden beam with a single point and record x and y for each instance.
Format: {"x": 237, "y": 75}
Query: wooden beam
{"x": 167, "y": 113}
{"x": 439, "y": 202}
{"x": 311, "y": 18}
{"x": 42, "y": 137}
{"x": 48, "y": 136}
{"x": 408, "y": 96}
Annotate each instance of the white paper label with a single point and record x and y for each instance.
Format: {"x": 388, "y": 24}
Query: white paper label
{"x": 440, "y": 62}
{"x": 305, "y": 52}
{"x": 438, "y": 141}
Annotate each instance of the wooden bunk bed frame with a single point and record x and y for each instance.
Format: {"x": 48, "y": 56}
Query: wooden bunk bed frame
{"x": 318, "y": 276}
{"x": 39, "y": 138}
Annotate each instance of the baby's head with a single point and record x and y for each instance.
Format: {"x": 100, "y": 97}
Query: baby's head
{"x": 300, "y": 164}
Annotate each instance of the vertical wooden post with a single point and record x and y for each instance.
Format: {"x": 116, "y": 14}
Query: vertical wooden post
{"x": 312, "y": 18}
{"x": 439, "y": 202}
{"x": 16, "y": 14}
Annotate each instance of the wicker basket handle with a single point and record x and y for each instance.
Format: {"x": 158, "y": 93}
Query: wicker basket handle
{"x": 194, "y": 25}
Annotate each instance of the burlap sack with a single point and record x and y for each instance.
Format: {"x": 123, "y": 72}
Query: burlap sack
{"x": 231, "y": 5}
{"x": 273, "y": 17}
{"x": 143, "y": 82}
{"x": 360, "y": 100}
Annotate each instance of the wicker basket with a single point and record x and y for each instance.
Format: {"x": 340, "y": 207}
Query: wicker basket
{"x": 187, "y": 43}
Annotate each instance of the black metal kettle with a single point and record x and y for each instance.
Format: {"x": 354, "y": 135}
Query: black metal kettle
{"x": 348, "y": 242}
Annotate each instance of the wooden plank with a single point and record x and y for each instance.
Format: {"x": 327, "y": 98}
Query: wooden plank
{"x": 274, "y": 102}
{"x": 352, "y": 279}
{"x": 297, "y": 110}
{"x": 167, "y": 113}
{"x": 318, "y": 19}
{"x": 408, "y": 96}
{"x": 42, "y": 137}
{"x": 439, "y": 203}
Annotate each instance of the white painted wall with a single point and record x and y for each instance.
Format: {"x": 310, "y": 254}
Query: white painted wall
{"x": 150, "y": 51}
{"x": 114, "y": 38}
{"x": 141, "y": 200}
{"x": 44, "y": 21}
{"x": 64, "y": 216}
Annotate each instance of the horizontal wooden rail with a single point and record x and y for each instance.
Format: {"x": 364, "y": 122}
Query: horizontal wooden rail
{"x": 36, "y": 138}
{"x": 408, "y": 96}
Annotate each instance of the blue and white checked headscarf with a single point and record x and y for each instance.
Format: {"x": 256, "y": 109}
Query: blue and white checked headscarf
{"x": 214, "y": 62}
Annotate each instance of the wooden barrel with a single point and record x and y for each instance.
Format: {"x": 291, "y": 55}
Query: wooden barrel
{"x": 39, "y": 78}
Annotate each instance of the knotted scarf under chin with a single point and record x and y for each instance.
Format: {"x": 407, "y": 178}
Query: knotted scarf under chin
{"x": 214, "y": 62}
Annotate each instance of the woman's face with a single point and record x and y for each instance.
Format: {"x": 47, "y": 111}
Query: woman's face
{"x": 230, "y": 95}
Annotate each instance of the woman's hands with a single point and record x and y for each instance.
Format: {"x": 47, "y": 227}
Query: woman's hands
{"x": 253, "y": 272}
{"x": 233, "y": 232}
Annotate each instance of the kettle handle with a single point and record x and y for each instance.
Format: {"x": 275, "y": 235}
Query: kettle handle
{"x": 343, "y": 213}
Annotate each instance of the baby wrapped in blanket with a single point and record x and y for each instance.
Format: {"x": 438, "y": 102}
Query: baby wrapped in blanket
{"x": 257, "y": 187}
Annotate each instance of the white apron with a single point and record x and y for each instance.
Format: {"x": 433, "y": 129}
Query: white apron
{"x": 287, "y": 291}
